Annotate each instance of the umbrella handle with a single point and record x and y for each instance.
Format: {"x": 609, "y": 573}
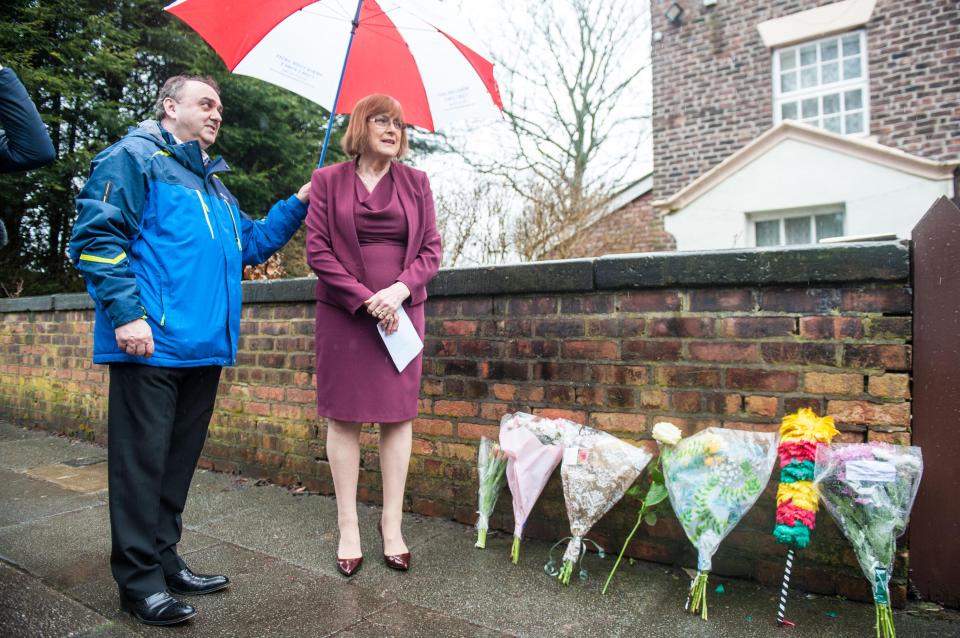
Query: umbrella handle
{"x": 336, "y": 98}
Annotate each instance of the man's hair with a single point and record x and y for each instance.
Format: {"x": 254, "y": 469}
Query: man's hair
{"x": 355, "y": 139}
{"x": 174, "y": 86}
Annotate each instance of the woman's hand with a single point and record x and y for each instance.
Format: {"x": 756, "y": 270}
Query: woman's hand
{"x": 390, "y": 324}
{"x": 384, "y": 303}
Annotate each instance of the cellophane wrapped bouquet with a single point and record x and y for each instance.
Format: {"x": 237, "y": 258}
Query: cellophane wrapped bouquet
{"x": 492, "y": 475}
{"x": 713, "y": 478}
{"x": 869, "y": 489}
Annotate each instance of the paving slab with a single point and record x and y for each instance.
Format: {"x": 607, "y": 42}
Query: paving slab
{"x": 25, "y": 453}
{"x": 266, "y": 597}
{"x": 25, "y": 499}
{"x": 71, "y": 548}
{"x": 403, "y": 620}
{"x": 11, "y": 432}
{"x": 28, "y": 608}
{"x": 86, "y": 478}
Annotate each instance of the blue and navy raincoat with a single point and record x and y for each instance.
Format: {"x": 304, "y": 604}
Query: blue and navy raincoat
{"x": 159, "y": 237}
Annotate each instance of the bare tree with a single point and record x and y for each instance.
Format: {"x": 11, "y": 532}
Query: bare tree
{"x": 475, "y": 224}
{"x": 575, "y": 127}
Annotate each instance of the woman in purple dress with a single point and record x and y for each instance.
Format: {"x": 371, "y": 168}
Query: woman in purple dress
{"x": 372, "y": 240}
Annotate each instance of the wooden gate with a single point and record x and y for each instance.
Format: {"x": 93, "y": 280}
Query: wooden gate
{"x": 935, "y": 522}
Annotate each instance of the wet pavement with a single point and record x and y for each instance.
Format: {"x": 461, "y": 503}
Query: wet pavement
{"x": 278, "y": 549}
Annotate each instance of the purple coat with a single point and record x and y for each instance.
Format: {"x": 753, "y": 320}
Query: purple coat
{"x": 333, "y": 250}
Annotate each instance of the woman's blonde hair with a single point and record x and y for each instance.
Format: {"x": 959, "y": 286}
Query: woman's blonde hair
{"x": 354, "y": 142}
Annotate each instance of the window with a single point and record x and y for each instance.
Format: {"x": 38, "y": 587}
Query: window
{"x": 797, "y": 227}
{"x": 824, "y": 83}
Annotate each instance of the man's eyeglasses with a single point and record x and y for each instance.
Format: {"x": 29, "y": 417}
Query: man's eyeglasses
{"x": 383, "y": 121}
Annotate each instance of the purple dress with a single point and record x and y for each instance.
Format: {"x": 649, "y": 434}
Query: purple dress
{"x": 356, "y": 378}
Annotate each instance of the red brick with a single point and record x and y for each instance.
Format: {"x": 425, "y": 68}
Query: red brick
{"x": 760, "y": 379}
{"x": 620, "y": 397}
{"x": 653, "y": 399}
{"x": 804, "y": 353}
{"x": 618, "y": 422}
{"x": 688, "y": 402}
{"x": 576, "y": 416}
{"x": 510, "y": 370}
{"x": 269, "y": 394}
{"x": 504, "y": 392}
{"x": 751, "y": 426}
{"x": 459, "y": 328}
{"x": 529, "y": 393}
{"x": 759, "y": 327}
{"x": 493, "y": 411}
{"x": 793, "y": 404}
{"x": 594, "y": 349}
{"x": 553, "y": 371}
{"x": 632, "y": 326}
{"x": 831, "y": 328}
{"x": 650, "y": 350}
{"x": 455, "y": 408}
{"x": 897, "y": 414}
{"x": 619, "y": 374}
{"x": 431, "y": 387}
{"x": 561, "y": 327}
{"x": 890, "y": 386}
{"x": 560, "y": 394}
{"x": 891, "y": 301}
{"x": 825, "y": 383}
{"x": 526, "y": 306}
{"x": 892, "y": 328}
{"x": 420, "y": 446}
{"x": 432, "y": 427}
{"x": 708, "y": 300}
{"x": 589, "y": 395}
{"x": 812, "y": 300}
{"x": 296, "y": 395}
{"x": 761, "y": 405}
{"x": 680, "y": 327}
{"x": 476, "y": 430}
{"x": 588, "y": 304}
{"x": 729, "y": 351}
{"x": 687, "y": 376}
{"x": 894, "y": 438}
{"x": 533, "y": 349}
{"x": 889, "y": 357}
{"x": 648, "y": 301}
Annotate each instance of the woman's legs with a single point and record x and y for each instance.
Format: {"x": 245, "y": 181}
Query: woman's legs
{"x": 343, "y": 453}
{"x": 395, "y": 443}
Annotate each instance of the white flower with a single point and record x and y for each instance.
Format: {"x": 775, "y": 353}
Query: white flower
{"x": 667, "y": 433}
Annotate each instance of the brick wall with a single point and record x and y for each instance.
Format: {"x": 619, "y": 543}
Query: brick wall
{"x": 712, "y": 91}
{"x": 634, "y": 228}
{"x": 730, "y": 339}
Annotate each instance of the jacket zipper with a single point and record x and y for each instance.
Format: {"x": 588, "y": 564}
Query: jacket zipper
{"x": 236, "y": 233}
{"x": 106, "y": 190}
{"x": 163, "y": 309}
{"x": 206, "y": 213}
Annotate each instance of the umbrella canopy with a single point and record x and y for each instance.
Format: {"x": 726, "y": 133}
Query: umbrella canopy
{"x": 407, "y": 49}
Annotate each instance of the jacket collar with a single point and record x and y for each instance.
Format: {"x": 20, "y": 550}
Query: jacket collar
{"x": 188, "y": 154}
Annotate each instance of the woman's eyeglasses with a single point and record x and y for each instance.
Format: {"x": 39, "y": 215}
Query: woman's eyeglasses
{"x": 383, "y": 121}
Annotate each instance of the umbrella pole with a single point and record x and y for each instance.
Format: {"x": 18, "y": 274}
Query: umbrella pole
{"x": 336, "y": 99}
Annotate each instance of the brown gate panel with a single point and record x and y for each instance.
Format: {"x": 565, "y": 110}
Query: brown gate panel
{"x": 935, "y": 523}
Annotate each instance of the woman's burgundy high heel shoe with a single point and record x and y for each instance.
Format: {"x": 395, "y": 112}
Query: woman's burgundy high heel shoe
{"x": 349, "y": 566}
{"x": 399, "y": 562}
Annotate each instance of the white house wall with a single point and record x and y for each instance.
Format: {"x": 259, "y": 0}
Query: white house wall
{"x": 795, "y": 174}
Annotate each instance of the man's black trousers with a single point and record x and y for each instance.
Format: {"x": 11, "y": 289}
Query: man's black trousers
{"x": 156, "y": 426}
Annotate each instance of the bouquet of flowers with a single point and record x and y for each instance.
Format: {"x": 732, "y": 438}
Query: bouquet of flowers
{"x": 492, "y": 473}
{"x": 869, "y": 490}
{"x": 664, "y": 433}
{"x": 529, "y": 466}
{"x": 596, "y": 472}
{"x": 713, "y": 478}
{"x": 801, "y": 435}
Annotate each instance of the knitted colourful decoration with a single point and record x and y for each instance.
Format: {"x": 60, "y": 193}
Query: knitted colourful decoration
{"x": 800, "y": 434}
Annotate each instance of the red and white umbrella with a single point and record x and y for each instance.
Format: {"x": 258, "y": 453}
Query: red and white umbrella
{"x": 335, "y": 52}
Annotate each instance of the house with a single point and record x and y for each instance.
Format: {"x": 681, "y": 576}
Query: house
{"x": 793, "y": 121}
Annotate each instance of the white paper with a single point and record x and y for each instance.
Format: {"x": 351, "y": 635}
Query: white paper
{"x": 405, "y": 344}
{"x": 875, "y": 471}
{"x": 570, "y": 455}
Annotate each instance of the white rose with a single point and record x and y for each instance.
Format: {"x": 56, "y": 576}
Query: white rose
{"x": 667, "y": 433}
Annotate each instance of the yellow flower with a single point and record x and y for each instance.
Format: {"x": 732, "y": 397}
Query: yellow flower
{"x": 801, "y": 493}
{"x": 804, "y": 425}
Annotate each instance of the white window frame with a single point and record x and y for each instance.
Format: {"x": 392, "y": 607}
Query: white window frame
{"x": 820, "y": 90}
{"x": 792, "y": 213}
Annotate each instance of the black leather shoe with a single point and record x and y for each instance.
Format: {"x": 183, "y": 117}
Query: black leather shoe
{"x": 186, "y": 583}
{"x": 159, "y": 609}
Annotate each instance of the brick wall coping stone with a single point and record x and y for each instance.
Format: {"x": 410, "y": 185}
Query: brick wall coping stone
{"x": 854, "y": 262}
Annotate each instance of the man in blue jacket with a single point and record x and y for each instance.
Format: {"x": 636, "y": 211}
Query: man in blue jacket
{"x": 162, "y": 243}
{"x": 24, "y": 141}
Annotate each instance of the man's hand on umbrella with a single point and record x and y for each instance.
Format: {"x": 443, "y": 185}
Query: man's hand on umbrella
{"x": 304, "y": 193}
{"x": 135, "y": 338}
